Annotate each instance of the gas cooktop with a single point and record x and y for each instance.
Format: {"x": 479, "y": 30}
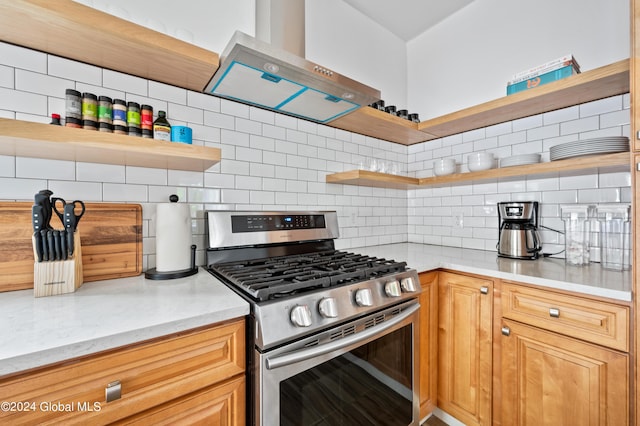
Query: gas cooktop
{"x": 284, "y": 276}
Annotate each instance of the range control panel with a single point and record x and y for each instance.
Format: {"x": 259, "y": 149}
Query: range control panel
{"x": 276, "y": 222}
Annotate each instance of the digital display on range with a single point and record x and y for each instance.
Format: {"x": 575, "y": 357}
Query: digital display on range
{"x": 262, "y": 223}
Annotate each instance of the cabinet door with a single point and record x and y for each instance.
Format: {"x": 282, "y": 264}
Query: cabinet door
{"x": 464, "y": 347}
{"x": 428, "y": 350}
{"x": 554, "y": 380}
{"x": 220, "y": 405}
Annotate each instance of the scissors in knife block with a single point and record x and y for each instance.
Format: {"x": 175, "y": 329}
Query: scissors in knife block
{"x": 67, "y": 214}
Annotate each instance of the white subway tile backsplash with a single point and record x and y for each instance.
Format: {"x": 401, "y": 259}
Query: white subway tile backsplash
{"x": 126, "y": 83}
{"x": 167, "y": 93}
{"x": 20, "y": 189}
{"x": 145, "y": 175}
{"x": 7, "y": 77}
{"x": 115, "y": 192}
{"x": 21, "y": 57}
{"x": 70, "y": 190}
{"x": 39, "y": 168}
{"x": 42, "y": 84}
{"x": 580, "y": 125}
{"x": 275, "y": 161}
{"x": 601, "y": 106}
{"x": 73, "y": 70}
{"x": 19, "y": 101}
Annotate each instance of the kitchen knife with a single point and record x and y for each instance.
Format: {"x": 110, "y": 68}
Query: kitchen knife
{"x": 45, "y": 249}
{"x": 51, "y": 245}
{"x": 70, "y": 241}
{"x": 38, "y": 243}
{"x": 43, "y": 198}
{"x": 37, "y": 217}
{"x": 57, "y": 245}
{"x": 63, "y": 245}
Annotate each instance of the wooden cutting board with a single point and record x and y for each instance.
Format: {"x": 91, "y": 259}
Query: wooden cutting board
{"x": 110, "y": 234}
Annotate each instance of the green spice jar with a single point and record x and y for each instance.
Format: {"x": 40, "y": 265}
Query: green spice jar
{"x": 104, "y": 109}
{"x": 133, "y": 116}
{"x": 89, "y": 106}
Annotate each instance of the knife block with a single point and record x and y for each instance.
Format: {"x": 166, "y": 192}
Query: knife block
{"x": 59, "y": 276}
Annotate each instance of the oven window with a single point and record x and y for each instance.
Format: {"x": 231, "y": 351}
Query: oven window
{"x": 370, "y": 385}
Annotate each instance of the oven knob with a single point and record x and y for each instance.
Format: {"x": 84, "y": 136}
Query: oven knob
{"x": 363, "y": 297}
{"x": 328, "y": 307}
{"x": 392, "y": 288}
{"x": 301, "y": 316}
{"x": 408, "y": 285}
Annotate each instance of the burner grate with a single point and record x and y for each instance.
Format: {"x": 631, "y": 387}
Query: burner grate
{"x": 283, "y": 276}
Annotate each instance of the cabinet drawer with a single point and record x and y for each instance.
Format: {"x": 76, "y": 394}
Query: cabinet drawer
{"x": 598, "y": 322}
{"x": 149, "y": 373}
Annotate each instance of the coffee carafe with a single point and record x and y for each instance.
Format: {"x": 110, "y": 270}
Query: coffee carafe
{"x": 518, "y": 236}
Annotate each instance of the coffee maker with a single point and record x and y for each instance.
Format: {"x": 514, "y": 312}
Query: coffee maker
{"x": 518, "y": 236}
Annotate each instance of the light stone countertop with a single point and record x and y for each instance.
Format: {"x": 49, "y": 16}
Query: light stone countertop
{"x": 107, "y": 314}
{"x": 590, "y": 279}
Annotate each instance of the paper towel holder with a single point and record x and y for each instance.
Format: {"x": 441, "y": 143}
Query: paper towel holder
{"x": 153, "y": 274}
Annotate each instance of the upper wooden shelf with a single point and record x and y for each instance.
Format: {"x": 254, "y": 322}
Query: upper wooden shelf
{"x": 26, "y": 139}
{"x": 617, "y": 161}
{"x": 599, "y": 83}
{"x": 71, "y": 30}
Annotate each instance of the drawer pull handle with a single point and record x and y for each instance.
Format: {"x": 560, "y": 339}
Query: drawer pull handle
{"x": 506, "y": 331}
{"x": 554, "y": 313}
{"x": 484, "y": 290}
{"x": 113, "y": 391}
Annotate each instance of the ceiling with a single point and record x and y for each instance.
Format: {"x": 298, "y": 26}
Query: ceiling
{"x": 407, "y": 18}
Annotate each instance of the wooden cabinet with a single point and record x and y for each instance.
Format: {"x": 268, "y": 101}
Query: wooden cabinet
{"x": 550, "y": 379}
{"x": 197, "y": 374}
{"x": 465, "y": 347}
{"x": 564, "y": 359}
{"x": 428, "y": 349}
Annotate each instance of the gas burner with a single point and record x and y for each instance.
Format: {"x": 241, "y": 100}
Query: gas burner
{"x": 276, "y": 277}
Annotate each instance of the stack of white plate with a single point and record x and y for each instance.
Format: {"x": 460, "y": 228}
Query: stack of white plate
{"x": 603, "y": 145}
{"x": 519, "y": 160}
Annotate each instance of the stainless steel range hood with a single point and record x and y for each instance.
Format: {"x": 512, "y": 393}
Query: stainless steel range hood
{"x": 255, "y": 72}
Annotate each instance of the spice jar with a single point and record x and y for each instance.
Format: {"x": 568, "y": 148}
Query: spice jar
{"x": 89, "y": 107}
{"x": 105, "y": 109}
{"x": 133, "y": 119}
{"x": 55, "y": 120}
{"x": 73, "y": 104}
{"x": 146, "y": 118}
{"x": 119, "y": 113}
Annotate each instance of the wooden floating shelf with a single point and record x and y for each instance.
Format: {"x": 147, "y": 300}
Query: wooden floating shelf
{"x": 609, "y": 80}
{"x": 616, "y": 161}
{"x": 367, "y": 178}
{"x": 37, "y": 140}
{"x": 71, "y": 30}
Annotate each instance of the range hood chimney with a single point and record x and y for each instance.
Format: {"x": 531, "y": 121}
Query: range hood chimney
{"x": 270, "y": 71}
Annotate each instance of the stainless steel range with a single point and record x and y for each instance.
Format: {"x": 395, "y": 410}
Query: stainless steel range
{"x": 333, "y": 334}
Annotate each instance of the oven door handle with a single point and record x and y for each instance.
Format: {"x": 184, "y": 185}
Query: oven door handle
{"x": 314, "y": 351}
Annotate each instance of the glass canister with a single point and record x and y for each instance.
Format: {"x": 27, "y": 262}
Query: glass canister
{"x": 615, "y": 236}
{"x": 577, "y": 227}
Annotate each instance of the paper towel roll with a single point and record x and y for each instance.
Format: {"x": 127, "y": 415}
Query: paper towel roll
{"x": 173, "y": 237}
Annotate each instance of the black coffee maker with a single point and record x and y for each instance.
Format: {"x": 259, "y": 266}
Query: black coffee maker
{"x": 518, "y": 236}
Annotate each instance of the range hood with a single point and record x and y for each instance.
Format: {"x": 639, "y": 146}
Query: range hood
{"x": 255, "y": 72}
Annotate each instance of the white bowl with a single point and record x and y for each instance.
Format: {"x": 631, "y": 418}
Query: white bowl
{"x": 480, "y": 161}
{"x": 444, "y": 166}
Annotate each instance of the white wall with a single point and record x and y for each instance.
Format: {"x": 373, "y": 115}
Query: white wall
{"x": 343, "y": 39}
{"x": 468, "y": 58}
{"x": 205, "y": 23}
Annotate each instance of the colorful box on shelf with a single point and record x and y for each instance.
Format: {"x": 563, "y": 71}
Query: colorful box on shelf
{"x": 541, "y": 79}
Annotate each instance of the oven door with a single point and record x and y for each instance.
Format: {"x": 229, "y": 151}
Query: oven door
{"x": 362, "y": 373}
